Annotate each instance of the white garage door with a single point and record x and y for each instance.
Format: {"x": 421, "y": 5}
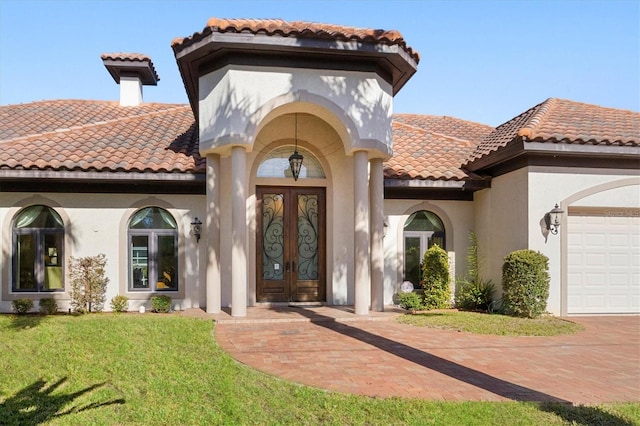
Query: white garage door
{"x": 603, "y": 261}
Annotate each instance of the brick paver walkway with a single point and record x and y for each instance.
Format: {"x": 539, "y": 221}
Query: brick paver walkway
{"x": 330, "y": 348}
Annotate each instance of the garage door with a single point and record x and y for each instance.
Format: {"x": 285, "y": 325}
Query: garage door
{"x": 603, "y": 261}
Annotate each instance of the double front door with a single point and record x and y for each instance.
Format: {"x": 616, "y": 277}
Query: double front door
{"x": 290, "y": 244}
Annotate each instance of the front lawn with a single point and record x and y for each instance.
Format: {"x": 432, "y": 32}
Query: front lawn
{"x": 105, "y": 369}
{"x": 482, "y": 323}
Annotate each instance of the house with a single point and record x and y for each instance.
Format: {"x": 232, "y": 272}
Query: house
{"x": 199, "y": 201}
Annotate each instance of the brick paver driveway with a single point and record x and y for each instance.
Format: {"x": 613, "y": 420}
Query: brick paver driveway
{"x": 384, "y": 358}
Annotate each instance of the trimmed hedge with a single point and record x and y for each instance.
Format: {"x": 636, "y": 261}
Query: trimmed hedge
{"x": 435, "y": 273}
{"x": 525, "y": 281}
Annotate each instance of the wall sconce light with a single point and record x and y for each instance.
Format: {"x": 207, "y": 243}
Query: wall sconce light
{"x": 295, "y": 161}
{"x": 552, "y": 219}
{"x": 196, "y": 229}
{"x": 385, "y": 228}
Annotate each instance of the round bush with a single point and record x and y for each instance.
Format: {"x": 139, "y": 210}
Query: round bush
{"x": 120, "y": 303}
{"x": 161, "y": 304}
{"x": 525, "y": 281}
{"x": 22, "y": 306}
{"x": 410, "y": 301}
{"x": 48, "y": 306}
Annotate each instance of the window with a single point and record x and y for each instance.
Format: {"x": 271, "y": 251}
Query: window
{"x": 422, "y": 230}
{"x": 276, "y": 164}
{"x": 153, "y": 251}
{"x": 38, "y": 250}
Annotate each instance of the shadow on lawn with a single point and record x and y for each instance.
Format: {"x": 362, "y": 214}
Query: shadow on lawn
{"x": 26, "y": 321}
{"x": 548, "y": 403}
{"x": 36, "y": 404}
{"x": 584, "y": 415}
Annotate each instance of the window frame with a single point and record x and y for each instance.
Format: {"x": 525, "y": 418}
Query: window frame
{"x": 426, "y": 242}
{"x": 40, "y": 234}
{"x": 153, "y": 235}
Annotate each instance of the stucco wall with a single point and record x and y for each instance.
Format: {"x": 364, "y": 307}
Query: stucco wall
{"x": 457, "y": 217}
{"x": 569, "y": 187}
{"x": 97, "y": 223}
{"x": 234, "y": 102}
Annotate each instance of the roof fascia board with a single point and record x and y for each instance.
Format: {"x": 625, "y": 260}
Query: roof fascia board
{"x": 581, "y": 149}
{"x": 438, "y": 184}
{"x": 101, "y": 176}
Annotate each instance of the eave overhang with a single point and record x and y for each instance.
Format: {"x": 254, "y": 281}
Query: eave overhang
{"x": 434, "y": 189}
{"x": 216, "y": 50}
{"x": 520, "y": 153}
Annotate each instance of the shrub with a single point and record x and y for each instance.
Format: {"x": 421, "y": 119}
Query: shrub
{"x": 88, "y": 283}
{"x": 120, "y": 303}
{"x": 410, "y": 301}
{"x": 474, "y": 296}
{"x": 22, "y": 306}
{"x": 525, "y": 281}
{"x": 435, "y": 273}
{"x": 48, "y": 306}
{"x": 472, "y": 292}
{"x": 161, "y": 304}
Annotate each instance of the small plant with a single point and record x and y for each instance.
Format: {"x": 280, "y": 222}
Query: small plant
{"x": 48, "y": 306}
{"x": 435, "y": 273}
{"x": 120, "y": 303}
{"x": 410, "y": 301}
{"x": 525, "y": 280}
{"x": 161, "y": 304}
{"x": 472, "y": 292}
{"x": 22, "y": 306}
{"x": 88, "y": 283}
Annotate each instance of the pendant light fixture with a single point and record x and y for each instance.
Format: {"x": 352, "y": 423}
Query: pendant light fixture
{"x": 295, "y": 160}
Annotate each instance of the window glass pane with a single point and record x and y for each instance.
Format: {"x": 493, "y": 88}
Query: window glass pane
{"x": 167, "y": 278}
{"x": 38, "y": 217}
{"x": 307, "y": 237}
{"x": 139, "y": 262}
{"x": 53, "y": 277}
{"x": 152, "y": 218}
{"x": 272, "y": 237}
{"x": 423, "y": 221}
{"x": 276, "y": 164}
{"x": 412, "y": 258}
{"x": 26, "y": 261}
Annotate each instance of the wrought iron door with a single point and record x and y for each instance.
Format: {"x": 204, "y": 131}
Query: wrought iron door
{"x": 290, "y": 244}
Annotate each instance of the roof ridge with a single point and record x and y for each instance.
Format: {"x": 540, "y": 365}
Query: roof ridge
{"x": 94, "y": 124}
{"x": 543, "y": 108}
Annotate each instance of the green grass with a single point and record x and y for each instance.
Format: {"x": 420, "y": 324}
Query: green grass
{"x": 482, "y": 323}
{"x": 105, "y": 369}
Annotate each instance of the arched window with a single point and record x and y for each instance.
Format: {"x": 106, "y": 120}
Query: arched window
{"x": 276, "y": 164}
{"x": 153, "y": 251}
{"x": 422, "y": 230}
{"x": 38, "y": 250}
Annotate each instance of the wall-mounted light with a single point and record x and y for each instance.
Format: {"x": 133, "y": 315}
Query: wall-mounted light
{"x": 552, "y": 219}
{"x": 196, "y": 229}
{"x": 385, "y": 228}
{"x": 295, "y": 160}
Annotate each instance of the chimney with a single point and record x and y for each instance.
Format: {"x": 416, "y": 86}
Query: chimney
{"x": 131, "y": 71}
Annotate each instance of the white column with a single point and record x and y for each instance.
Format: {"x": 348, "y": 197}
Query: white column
{"x": 212, "y": 234}
{"x": 361, "y": 211}
{"x": 238, "y": 232}
{"x": 376, "y": 194}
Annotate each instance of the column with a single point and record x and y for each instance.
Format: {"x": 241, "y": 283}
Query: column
{"x": 238, "y": 232}
{"x": 361, "y": 212}
{"x": 212, "y": 235}
{"x": 376, "y": 194}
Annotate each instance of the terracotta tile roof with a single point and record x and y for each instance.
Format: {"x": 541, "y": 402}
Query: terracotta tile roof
{"x": 299, "y": 29}
{"x": 564, "y": 121}
{"x": 136, "y": 62}
{"x": 99, "y": 136}
{"x": 432, "y": 147}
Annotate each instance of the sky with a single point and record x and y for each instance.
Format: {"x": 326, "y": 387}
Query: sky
{"x": 483, "y": 61}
